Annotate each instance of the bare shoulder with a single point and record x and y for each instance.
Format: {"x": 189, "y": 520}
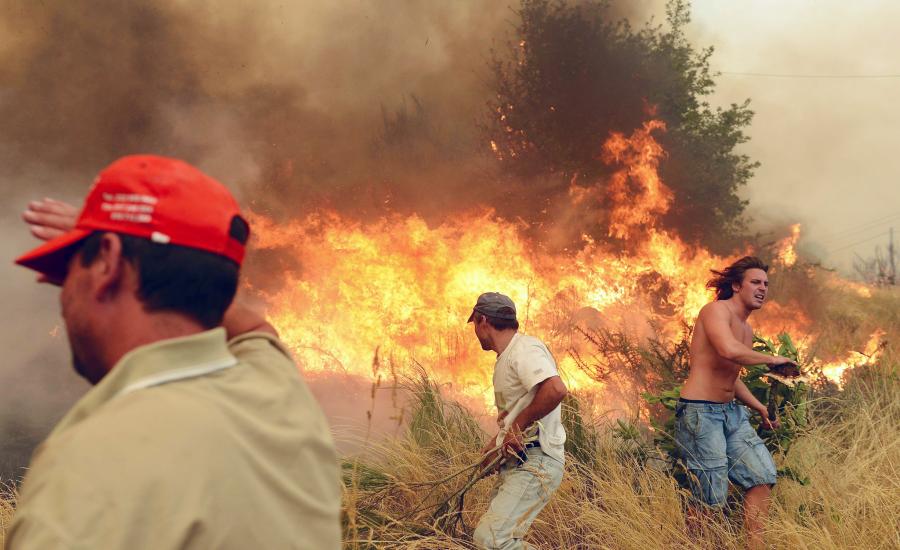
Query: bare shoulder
{"x": 714, "y": 310}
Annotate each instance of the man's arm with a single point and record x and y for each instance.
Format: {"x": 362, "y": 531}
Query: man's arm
{"x": 549, "y": 394}
{"x": 745, "y": 396}
{"x": 715, "y": 319}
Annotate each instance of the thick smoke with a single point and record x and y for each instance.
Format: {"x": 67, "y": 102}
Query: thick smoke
{"x": 295, "y": 104}
{"x": 348, "y": 105}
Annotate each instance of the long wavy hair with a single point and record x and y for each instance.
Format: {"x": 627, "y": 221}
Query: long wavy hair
{"x": 733, "y": 275}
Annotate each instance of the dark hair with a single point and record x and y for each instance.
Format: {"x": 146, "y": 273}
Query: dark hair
{"x": 189, "y": 281}
{"x": 733, "y": 275}
{"x": 499, "y": 324}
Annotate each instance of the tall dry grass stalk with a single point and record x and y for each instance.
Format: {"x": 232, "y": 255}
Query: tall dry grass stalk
{"x": 7, "y": 509}
{"x": 852, "y": 458}
{"x": 618, "y": 500}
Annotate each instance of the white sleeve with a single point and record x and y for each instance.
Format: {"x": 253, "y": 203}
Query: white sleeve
{"x": 534, "y": 365}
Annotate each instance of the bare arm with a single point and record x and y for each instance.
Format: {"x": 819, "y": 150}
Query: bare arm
{"x": 550, "y": 393}
{"x": 745, "y": 396}
{"x": 715, "y": 319}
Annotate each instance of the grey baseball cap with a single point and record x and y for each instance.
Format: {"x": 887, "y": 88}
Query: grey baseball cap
{"x": 496, "y": 305}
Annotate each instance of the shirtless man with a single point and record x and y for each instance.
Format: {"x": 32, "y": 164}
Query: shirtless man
{"x": 712, "y": 429}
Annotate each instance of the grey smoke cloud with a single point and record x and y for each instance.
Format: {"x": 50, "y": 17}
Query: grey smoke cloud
{"x": 290, "y": 104}
{"x": 276, "y": 99}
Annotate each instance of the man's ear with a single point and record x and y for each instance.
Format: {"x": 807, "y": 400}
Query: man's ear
{"x": 108, "y": 268}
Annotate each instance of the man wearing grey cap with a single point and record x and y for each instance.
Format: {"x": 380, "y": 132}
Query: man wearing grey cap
{"x": 527, "y": 390}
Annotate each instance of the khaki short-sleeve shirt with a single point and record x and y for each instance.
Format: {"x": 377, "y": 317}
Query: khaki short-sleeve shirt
{"x": 187, "y": 443}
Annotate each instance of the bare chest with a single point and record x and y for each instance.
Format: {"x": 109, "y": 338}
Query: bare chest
{"x": 741, "y": 331}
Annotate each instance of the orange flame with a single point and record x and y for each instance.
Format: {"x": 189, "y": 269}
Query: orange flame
{"x": 859, "y": 288}
{"x": 638, "y": 195}
{"x": 871, "y": 352}
{"x": 785, "y": 248}
{"x": 405, "y": 288}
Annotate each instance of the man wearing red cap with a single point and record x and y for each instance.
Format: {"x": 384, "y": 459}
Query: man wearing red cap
{"x": 198, "y": 432}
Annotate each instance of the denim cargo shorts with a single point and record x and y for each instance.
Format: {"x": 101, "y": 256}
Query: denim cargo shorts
{"x": 717, "y": 443}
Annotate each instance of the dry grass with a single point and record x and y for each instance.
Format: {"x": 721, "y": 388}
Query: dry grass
{"x": 853, "y": 462}
{"x": 7, "y": 508}
{"x": 843, "y": 319}
{"x": 851, "y": 456}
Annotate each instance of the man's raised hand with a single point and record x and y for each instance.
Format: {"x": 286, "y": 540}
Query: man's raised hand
{"x": 513, "y": 442}
{"x": 49, "y": 218}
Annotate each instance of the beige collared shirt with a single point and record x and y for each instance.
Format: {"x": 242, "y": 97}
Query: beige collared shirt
{"x": 187, "y": 443}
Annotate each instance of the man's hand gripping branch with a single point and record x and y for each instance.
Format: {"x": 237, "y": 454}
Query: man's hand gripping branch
{"x": 522, "y": 429}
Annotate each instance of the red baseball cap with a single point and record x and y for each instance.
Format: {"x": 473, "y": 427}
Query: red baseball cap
{"x": 162, "y": 199}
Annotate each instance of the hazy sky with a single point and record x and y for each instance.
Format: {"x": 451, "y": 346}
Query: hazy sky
{"x": 828, "y": 146}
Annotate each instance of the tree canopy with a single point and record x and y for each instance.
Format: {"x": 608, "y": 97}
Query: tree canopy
{"x": 575, "y": 74}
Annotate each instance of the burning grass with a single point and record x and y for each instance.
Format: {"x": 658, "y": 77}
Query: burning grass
{"x": 403, "y": 286}
{"x": 612, "y": 496}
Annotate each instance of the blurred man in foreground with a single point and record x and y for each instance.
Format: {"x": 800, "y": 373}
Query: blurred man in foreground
{"x": 199, "y": 431}
{"x": 712, "y": 429}
{"x": 527, "y": 390}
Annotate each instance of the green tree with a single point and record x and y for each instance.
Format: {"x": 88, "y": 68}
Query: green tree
{"x": 575, "y": 74}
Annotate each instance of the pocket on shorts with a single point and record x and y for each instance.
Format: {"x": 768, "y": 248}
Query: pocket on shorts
{"x": 700, "y": 423}
{"x": 701, "y": 440}
{"x": 691, "y": 421}
{"x": 751, "y": 463}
